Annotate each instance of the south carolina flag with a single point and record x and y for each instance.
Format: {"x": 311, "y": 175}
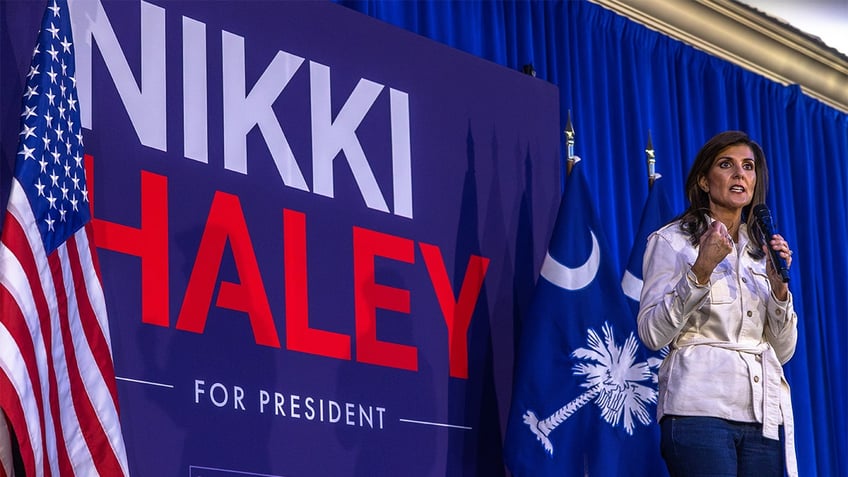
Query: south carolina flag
{"x": 583, "y": 396}
{"x": 657, "y": 212}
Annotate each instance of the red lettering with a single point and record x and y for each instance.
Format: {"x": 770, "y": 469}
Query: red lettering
{"x": 457, "y": 313}
{"x": 226, "y": 223}
{"x": 148, "y": 242}
{"x": 299, "y": 336}
{"x": 368, "y": 296}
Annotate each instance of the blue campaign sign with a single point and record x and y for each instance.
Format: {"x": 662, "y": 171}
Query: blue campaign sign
{"x": 315, "y": 233}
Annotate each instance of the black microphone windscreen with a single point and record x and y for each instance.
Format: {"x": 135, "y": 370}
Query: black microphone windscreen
{"x": 764, "y": 221}
{"x": 761, "y": 211}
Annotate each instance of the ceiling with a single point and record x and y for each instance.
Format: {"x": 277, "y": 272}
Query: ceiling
{"x": 825, "y": 19}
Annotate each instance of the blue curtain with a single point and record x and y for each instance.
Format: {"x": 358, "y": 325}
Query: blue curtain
{"x": 619, "y": 80}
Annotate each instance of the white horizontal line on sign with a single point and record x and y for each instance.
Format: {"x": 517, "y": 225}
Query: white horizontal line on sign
{"x": 139, "y": 381}
{"x": 438, "y": 424}
{"x": 191, "y": 468}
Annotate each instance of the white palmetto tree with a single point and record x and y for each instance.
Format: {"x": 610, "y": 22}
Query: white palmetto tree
{"x": 613, "y": 380}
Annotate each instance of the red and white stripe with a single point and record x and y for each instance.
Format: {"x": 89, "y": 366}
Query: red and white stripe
{"x": 57, "y": 381}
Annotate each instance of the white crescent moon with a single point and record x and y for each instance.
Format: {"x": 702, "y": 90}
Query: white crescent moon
{"x": 631, "y": 285}
{"x": 573, "y": 278}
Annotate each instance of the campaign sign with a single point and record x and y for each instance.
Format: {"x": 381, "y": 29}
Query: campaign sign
{"x": 316, "y": 233}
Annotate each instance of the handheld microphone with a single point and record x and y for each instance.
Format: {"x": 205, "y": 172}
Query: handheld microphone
{"x": 764, "y": 221}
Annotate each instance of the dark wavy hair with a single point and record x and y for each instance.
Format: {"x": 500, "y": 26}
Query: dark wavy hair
{"x": 694, "y": 221}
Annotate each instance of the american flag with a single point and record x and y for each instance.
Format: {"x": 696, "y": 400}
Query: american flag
{"x": 57, "y": 382}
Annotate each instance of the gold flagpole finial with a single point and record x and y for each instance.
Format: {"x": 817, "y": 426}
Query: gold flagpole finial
{"x": 569, "y": 142}
{"x": 651, "y": 158}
